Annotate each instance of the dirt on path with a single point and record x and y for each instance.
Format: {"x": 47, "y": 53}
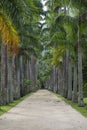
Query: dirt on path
{"x": 43, "y": 111}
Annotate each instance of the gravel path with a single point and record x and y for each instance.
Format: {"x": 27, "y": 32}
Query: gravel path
{"x": 43, "y": 111}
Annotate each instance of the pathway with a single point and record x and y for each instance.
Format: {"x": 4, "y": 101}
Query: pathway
{"x": 43, "y": 111}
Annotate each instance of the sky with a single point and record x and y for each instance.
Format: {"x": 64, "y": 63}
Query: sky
{"x": 44, "y": 7}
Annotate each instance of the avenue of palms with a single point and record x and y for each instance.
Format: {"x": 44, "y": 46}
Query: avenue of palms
{"x": 46, "y": 47}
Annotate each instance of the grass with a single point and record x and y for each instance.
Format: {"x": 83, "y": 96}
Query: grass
{"x": 7, "y": 107}
{"x": 85, "y": 100}
{"x": 82, "y": 110}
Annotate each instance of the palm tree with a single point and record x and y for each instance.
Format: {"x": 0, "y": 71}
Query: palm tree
{"x": 24, "y": 12}
{"x": 80, "y": 78}
{"x": 8, "y": 43}
{"x": 61, "y": 17}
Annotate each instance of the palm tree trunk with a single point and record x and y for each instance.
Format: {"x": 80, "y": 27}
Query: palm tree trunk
{"x": 15, "y": 78}
{"x": 28, "y": 75}
{"x": 21, "y": 76}
{"x": 80, "y": 77}
{"x": 33, "y": 77}
{"x": 18, "y": 77}
{"x": 70, "y": 80}
{"x": 54, "y": 79}
{"x": 74, "y": 94}
{"x": 66, "y": 73}
{"x": 10, "y": 85}
{"x": 57, "y": 79}
{"x": 4, "y": 89}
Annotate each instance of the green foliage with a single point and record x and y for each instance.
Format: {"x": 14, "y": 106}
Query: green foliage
{"x": 25, "y": 15}
{"x": 45, "y": 67}
{"x": 67, "y": 26}
{"x": 38, "y": 83}
{"x": 80, "y": 4}
{"x": 27, "y": 83}
{"x": 85, "y": 90}
{"x": 62, "y": 22}
{"x": 85, "y": 100}
{"x": 85, "y": 65}
{"x": 58, "y": 55}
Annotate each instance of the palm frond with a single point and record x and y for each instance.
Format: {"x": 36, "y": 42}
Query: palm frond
{"x": 8, "y": 33}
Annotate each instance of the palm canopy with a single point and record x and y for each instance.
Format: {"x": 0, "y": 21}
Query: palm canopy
{"x": 18, "y": 15}
{"x": 8, "y": 33}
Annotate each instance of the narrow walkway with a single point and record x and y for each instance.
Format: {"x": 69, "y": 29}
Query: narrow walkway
{"x": 43, "y": 111}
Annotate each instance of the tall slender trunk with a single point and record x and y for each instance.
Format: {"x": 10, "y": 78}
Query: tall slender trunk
{"x": 64, "y": 76}
{"x": 15, "y": 77}
{"x": 28, "y": 75}
{"x": 66, "y": 72}
{"x": 18, "y": 77}
{"x": 10, "y": 84}
{"x": 51, "y": 85}
{"x": 74, "y": 94}
{"x": 21, "y": 76}
{"x": 57, "y": 79}
{"x": 54, "y": 79}
{"x": 33, "y": 77}
{"x": 80, "y": 77}
{"x": 70, "y": 80}
{"x": 60, "y": 80}
{"x": 4, "y": 89}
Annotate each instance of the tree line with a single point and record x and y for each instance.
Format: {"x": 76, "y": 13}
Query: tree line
{"x": 20, "y": 47}
{"x": 65, "y": 40}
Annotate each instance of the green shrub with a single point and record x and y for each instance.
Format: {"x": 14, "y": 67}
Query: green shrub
{"x": 85, "y": 90}
{"x": 38, "y": 83}
{"x": 27, "y": 83}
